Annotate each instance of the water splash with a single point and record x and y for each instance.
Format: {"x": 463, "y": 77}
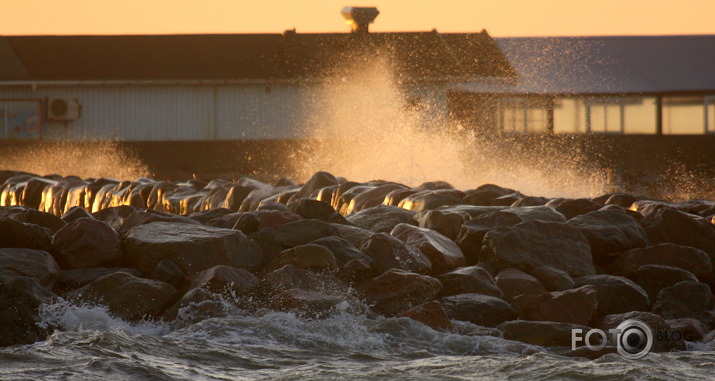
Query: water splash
{"x": 372, "y": 127}
{"x": 101, "y": 158}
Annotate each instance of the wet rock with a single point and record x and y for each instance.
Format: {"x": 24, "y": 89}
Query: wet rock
{"x": 372, "y": 197}
{"x": 193, "y": 248}
{"x": 687, "y": 258}
{"x": 621, "y": 199}
{"x": 388, "y": 252}
{"x": 446, "y": 223}
{"x": 209, "y": 217}
{"x": 308, "y": 208}
{"x": 352, "y": 234}
{"x": 616, "y": 294}
{"x": 19, "y": 234}
{"x": 382, "y": 219}
{"x": 473, "y": 231}
{"x": 196, "y": 305}
{"x": 114, "y": 216}
{"x": 309, "y": 256}
{"x": 235, "y": 196}
{"x": 431, "y": 199}
{"x": 513, "y": 283}
{"x": 20, "y": 300}
{"x": 609, "y": 231}
{"x": 225, "y": 279}
{"x": 396, "y": 196}
{"x": 551, "y": 278}
{"x": 576, "y": 306}
{"x": 469, "y": 280}
{"x": 431, "y": 314}
{"x": 665, "y": 225}
{"x": 343, "y": 250}
{"x": 87, "y": 242}
{"x": 169, "y": 272}
{"x": 535, "y": 243}
{"x": 127, "y": 296}
{"x": 664, "y": 340}
{"x": 32, "y": 194}
{"x": 271, "y": 218}
{"x": 397, "y": 291}
{"x": 484, "y": 194}
{"x": 248, "y": 223}
{"x": 36, "y": 264}
{"x": 654, "y": 278}
{"x": 537, "y": 213}
{"x": 143, "y": 217}
{"x": 484, "y": 310}
{"x": 313, "y": 304}
{"x": 32, "y": 216}
{"x": 288, "y": 277}
{"x": 442, "y": 252}
{"x": 571, "y": 208}
{"x": 542, "y": 333}
{"x": 530, "y": 201}
{"x": 685, "y": 300}
{"x": 355, "y": 271}
{"x": 75, "y": 213}
{"x": 275, "y": 240}
{"x": 317, "y": 181}
{"x": 69, "y": 280}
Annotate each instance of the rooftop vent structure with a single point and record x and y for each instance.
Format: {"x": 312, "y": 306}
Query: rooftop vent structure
{"x": 359, "y": 18}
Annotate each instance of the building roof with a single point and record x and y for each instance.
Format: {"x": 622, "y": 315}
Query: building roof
{"x": 598, "y": 65}
{"x": 420, "y": 55}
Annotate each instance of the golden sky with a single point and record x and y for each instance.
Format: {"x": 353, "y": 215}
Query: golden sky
{"x": 498, "y": 17}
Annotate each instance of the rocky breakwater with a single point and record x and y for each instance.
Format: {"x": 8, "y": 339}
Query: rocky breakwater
{"x": 485, "y": 261}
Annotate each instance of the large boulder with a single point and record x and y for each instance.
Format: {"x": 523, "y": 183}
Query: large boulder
{"x": 536, "y": 243}
{"x": 484, "y": 310}
{"x": 372, "y": 197}
{"x": 542, "y": 333}
{"x": 87, "y": 242}
{"x": 571, "y": 208}
{"x": 20, "y": 300}
{"x": 473, "y": 231}
{"x": 309, "y": 256}
{"x": 431, "y": 199}
{"x": 313, "y": 304}
{"x": 667, "y": 254}
{"x": 663, "y": 338}
{"x": 431, "y": 314}
{"x": 609, "y": 231}
{"x": 317, "y": 181}
{"x": 469, "y": 280}
{"x": 666, "y": 225}
{"x": 69, "y": 280}
{"x": 397, "y": 291}
{"x": 537, "y": 213}
{"x": 36, "y": 264}
{"x": 143, "y": 217}
{"x": 193, "y": 248}
{"x": 616, "y": 294}
{"x": 513, "y": 283}
{"x": 32, "y": 216}
{"x": 441, "y": 251}
{"x": 685, "y": 300}
{"x": 18, "y": 234}
{"x": 127, "y": 296}
{"x": 275, "y": 240}
{"x": 343, "y": 250}
{"x": 444, "y": 222}
{"x": 576, "y": 306}
{"x": 114, "y": 216}
{"x": 225, "y": 279}
{"x": 654, "y": 278}
{"x": 484, "y": 194}
{"x": 553, "y": 279}
{"x": 382, "y": 218}
{"x": 388, "y": 252}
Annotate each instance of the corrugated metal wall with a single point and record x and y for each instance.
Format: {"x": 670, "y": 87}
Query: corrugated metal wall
{"x": 179, "y": 112}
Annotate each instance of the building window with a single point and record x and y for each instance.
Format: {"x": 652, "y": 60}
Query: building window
{"x": 683, "y": 115}
{"x": 523, "y": 114}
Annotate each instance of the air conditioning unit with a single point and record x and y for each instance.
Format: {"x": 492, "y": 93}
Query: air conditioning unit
{"x": 62, "y": 109}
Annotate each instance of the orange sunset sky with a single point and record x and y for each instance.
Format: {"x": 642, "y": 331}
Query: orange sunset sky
{"x": 499, "y": 17}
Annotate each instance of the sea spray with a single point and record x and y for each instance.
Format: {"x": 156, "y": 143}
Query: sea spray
{"x": 368, "y": 127}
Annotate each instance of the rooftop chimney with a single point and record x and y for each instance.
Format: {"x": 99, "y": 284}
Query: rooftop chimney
{"x": 359, "y": 18}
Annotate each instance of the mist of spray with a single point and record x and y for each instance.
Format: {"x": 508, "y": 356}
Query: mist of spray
{"x": 365, "y": 130}
{"x": 83, "y": 159}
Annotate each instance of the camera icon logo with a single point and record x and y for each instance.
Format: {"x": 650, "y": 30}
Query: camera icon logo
{"x": 634, "y": 339}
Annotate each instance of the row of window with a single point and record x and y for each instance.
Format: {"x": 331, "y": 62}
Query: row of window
{"x": 618, "y": 115}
